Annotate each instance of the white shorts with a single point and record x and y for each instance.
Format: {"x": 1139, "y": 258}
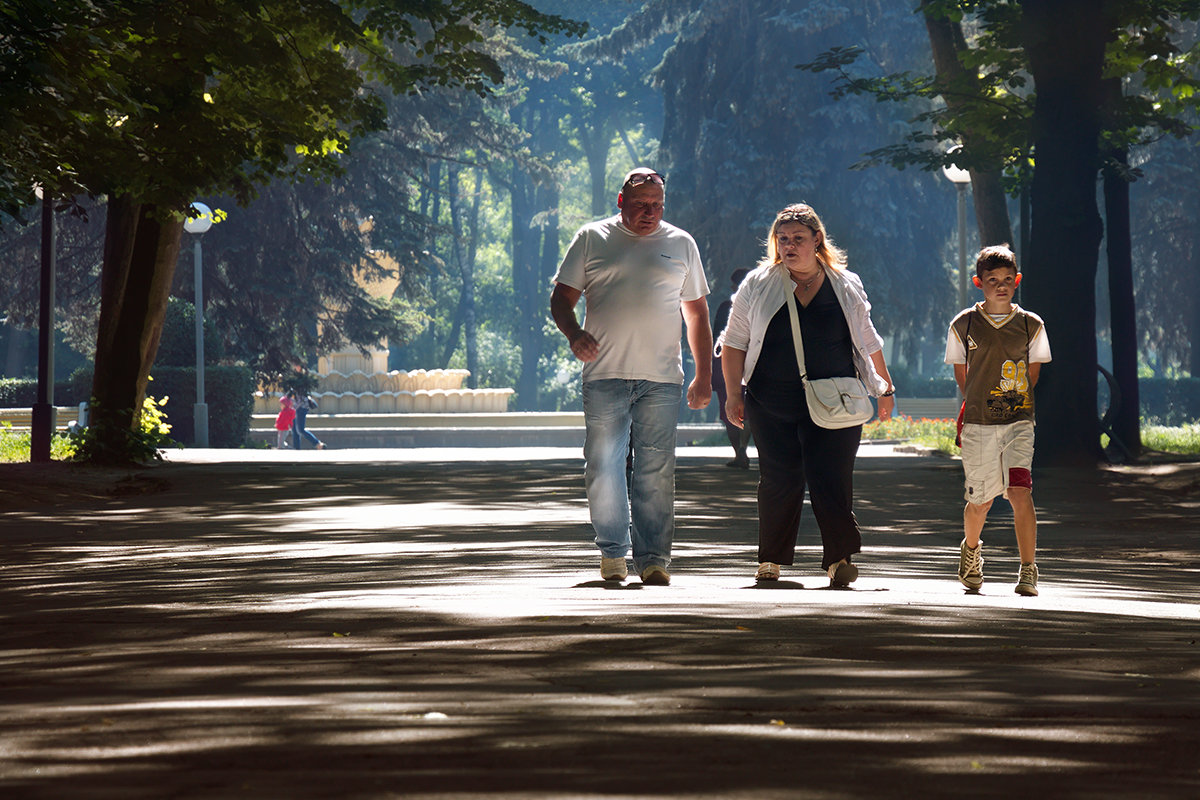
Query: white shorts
{"x": 995, "y": 457}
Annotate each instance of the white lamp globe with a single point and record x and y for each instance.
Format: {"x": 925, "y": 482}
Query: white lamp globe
{"x": 201, "y": 222}
{"x": 954, "y": 173}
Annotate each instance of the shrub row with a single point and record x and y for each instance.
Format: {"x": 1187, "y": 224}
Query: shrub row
{"x": 228, "y": 391}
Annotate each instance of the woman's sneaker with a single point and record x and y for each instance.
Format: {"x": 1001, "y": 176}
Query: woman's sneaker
{"x": 1027, "y": 580}
{"x": 970, "y": 566}
{"x": 767, "y": 571}
{"x": 842, "y": 574}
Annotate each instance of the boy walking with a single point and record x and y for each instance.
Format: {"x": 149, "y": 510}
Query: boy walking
{"x": 997, "y": 350}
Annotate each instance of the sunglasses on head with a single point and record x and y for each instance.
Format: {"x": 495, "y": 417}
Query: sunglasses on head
{"x": 645, "y": 177}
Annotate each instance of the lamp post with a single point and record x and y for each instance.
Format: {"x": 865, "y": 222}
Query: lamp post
{"x": 197, "y": 226}
{"x": 961, "y": 179}
{"x": 42, "y": 422}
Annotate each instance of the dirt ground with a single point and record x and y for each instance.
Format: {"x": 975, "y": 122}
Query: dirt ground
{"x": 386, "y": 624}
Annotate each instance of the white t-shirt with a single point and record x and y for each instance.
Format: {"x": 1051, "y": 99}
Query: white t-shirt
{"x": 633, "y": 287}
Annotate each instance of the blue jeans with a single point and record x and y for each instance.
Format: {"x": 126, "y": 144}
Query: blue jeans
{"x": 299, "y": 430}
{"x": 637, "y": 511}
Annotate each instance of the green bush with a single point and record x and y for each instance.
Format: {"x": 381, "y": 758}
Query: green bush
{"x": 177, "y": 344}
{"x": 228, "y": 391}
{"x": 22, "y": 392}
{"x": 1170, "y": 402}
{"x": 18, "y": 392}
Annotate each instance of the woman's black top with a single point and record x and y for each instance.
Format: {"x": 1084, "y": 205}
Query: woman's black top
{"x": 828, "y": 350}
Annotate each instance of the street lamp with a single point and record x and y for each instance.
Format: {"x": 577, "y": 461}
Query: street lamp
{"x": 42, "y": 422}
{"x": 961, "y": 178}
{"x": 197, "y": 226}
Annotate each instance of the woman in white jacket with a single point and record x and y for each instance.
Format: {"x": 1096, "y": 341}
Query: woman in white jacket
{"x": 757, "y": 350}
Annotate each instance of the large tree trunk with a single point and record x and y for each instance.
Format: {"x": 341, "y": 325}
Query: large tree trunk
{"x": 471, "y": 331}
{"x": 1060, "y": 270}
{"x": 947, "y": 42}
{"x": 529, "y": 294}
{"x": 1126, "y": 423}
{"x": 596, "y": 141}
{"x": 1193, "y": 362}
{"x": 465, "y": 236}
{"x": 140, "y": 251}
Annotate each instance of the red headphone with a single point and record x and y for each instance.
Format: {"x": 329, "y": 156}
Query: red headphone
{"x": 620, "y": 199}
{"x": 979, "y": 284}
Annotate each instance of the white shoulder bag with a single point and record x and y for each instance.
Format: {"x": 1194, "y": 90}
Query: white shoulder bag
{"x": 832, "y": 402}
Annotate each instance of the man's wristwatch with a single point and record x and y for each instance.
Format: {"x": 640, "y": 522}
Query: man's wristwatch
{"x": 891, "y": 391}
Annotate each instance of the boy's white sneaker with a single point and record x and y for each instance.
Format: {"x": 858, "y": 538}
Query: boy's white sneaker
{"x": 970, "y": 566}
{"x": 1027, "y": 580}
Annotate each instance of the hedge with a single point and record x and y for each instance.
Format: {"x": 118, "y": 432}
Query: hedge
{"x": 229, "y": 392}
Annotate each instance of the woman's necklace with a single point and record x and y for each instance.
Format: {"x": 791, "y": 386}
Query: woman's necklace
{"x": 804, "y": 287}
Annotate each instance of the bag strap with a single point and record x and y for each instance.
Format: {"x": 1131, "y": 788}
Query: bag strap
{"x": 791, "y": 300}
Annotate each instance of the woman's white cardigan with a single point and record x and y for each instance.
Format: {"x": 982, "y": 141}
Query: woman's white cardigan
{"x": 764, "y": 291}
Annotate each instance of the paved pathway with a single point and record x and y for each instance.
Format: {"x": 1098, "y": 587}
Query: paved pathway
{"x": 375, "y": 624}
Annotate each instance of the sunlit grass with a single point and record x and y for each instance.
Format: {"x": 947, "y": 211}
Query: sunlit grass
{"x": 1184, "y": 440}
{"x": 15, "y": 445}
{"x": 937, "y": 434}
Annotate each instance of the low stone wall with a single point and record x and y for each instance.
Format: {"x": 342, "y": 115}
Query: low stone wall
{"x": 395, "y": 381}
{"x": 460, "y": 401}
{"x": 21, "y": 419}
{"x": 436, "y": 391}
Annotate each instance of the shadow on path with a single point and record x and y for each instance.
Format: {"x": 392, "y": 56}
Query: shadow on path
{"x": 435, "y": 630}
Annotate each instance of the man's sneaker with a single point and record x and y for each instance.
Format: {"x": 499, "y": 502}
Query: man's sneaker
{"x": 842, "y": 574}
{"x": 970, "y": 566}
{"x": 654, "y": 575}
{"x": 1027, "y": 580}
{"x": 767, "y": 571}
{"x": 613, "y": 569}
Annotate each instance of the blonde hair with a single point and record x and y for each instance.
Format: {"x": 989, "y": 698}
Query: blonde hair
{"x": 828, "y": 254}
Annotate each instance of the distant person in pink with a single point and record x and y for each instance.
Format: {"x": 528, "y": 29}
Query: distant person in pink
{"x": 284, "y": 420}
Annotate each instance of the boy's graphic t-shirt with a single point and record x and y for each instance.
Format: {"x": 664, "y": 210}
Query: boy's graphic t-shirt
{"x": 997, "y": 351}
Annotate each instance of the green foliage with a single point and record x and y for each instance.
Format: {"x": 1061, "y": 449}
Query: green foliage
{"x": 1184, "y": 440}
{"x": 228, "y": 392}
{"x": 193, "y": 99}
{"x": 177, "y": 343}
{"x": 22, "y": 392}
{"x": 1169, "y": 402}
{"x": 18, "y": 392}
{"x": 937, "y": 434}
{"x": 15, "y": 445}
{"x": 988, "y": 109}
{"x": 136, "y": 446}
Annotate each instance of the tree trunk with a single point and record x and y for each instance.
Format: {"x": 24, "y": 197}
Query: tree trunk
{"x": 548, "y": 194}
{"x": 947, "y": 42}
{"x": 596, "y": 143}
{"x": 140, "y": 252}
{"x": 1126, "y": 424}
{"x": 471, "y": 331}
{"x": 529, "y": 295}
{"x": 1066, "y": 229}
{"x": 1193, "y": 362}
{"x": 465, "y": 238}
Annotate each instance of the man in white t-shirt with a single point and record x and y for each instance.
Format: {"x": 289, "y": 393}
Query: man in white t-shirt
{"x": 638, "y": 276}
